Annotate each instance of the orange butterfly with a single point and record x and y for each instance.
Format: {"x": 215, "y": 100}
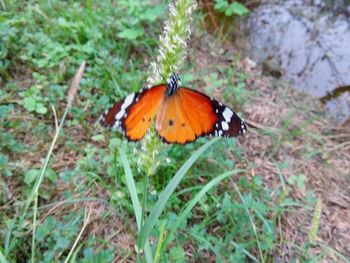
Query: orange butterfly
{"x": 182, "y": 114}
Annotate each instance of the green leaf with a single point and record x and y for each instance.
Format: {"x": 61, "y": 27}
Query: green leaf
{"x": 131, "y": 33}
{"x": 237, "y": 9}
{"x": 29, "y": 103}
{"x": 221, "y": 5}
{"x": 5, "y": 110}
{"x": 51, "y": 175}
{"x": 167, "y": 192}
{"x": 40, "y": 108}
{"x": 177, "y": 254}
{"x": 2, "y": 258}
{"x": 31, "y": 175}
{"x": 62, "y": 242}
{"x": 98, "y": 138}
{"x": 130, "y": 182}
{"x": 3, "y": 160}
{"x": 151, "y": 14}
{"x": 195, "y": 200}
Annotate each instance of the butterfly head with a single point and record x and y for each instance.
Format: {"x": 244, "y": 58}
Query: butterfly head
{"x": 173, "y": 84}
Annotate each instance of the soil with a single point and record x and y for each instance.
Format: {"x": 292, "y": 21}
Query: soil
{"x": 312, "y": 144}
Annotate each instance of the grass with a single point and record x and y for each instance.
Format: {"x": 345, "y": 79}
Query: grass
{"x": 95, "y": 196}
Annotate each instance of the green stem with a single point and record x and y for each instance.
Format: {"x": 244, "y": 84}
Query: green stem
{"x": 35, "y": 192}
{"x": 160, "y": 242}
{"x": 145, "y": 196}
{"x": 144, "y": 203}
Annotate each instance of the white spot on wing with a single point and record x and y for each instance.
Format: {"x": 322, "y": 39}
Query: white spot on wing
{"x": 243, "y": 128}
{"x": 220, "y": 133}
{"x": 120, "y": 114}
{"x": 224, "y": 125}
{"x": 116, "y": 125}
{"x": 128, "y": 100}
{"x": 228, "y": 113}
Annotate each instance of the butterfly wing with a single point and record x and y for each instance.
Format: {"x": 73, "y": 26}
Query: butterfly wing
{"x": 133, "y": 115}
{"x": 189, "y": 114}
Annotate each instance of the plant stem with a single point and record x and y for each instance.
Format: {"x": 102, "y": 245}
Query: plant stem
{"x": 145, "y": 197}
{"x": 34, "y": 194}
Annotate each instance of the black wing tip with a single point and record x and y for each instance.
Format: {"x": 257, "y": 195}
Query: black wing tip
{"x": 102, "y": 122}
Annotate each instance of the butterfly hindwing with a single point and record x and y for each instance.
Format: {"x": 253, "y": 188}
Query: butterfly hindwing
{"x": 172, "y": 124}
{"x": 135, "y": 113}
{"x": 189, "y": 114}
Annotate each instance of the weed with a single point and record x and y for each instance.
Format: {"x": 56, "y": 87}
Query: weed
{"x": 82, "y": 207}
{"x": 230, "y": 9}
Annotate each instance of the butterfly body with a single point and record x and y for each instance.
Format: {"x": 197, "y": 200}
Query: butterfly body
{"x": 181, "y": 114}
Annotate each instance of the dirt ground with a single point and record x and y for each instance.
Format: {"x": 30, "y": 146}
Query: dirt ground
{"x": 319, "y": 150}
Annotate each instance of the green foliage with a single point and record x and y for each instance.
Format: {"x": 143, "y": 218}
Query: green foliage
{"x": 56, "y": 236}
{"x": 33, "y": 102}
{"x": 51, "y": 39}
{"x": 297, "y": 180}
{"x": 32, "y": 175}
{"x": 177, "y": 254}
{"x": 42, "y": 44}
{"x": 230, "y": 9}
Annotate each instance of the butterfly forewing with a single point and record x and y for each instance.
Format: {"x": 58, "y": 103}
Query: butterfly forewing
{"x": 142, "y": 112}
{"x": 135, "y": 113}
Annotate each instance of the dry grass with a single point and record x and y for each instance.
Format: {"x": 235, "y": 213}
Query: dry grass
{"x": 327, "y": 171}
{"x": 320, "y": 150}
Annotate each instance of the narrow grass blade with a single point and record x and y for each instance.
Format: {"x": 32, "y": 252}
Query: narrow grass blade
{"x": 195, "y": 200}
{"x": 2, "y": 258}
{"x": 167, "y": 192}
{"x": 35, "y": 191}
{"x": 160, "y": 242}
{"x": 130, "y": 183}
{"x": 86, "y": 222}
{"x": 72, "y": 91}
{"x": 280, "y": 174}
{"x": 251, "y": 222}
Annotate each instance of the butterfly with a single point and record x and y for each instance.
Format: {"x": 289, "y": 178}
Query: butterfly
{"x": 181, "y": 114}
